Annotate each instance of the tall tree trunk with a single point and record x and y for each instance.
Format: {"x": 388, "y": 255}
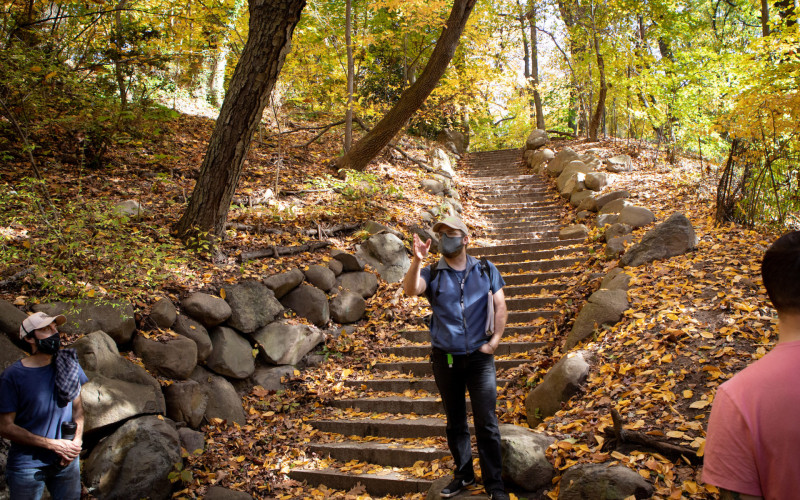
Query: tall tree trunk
{"x": 272, "y": 23}
{"x": 764, "y": 17}
{"x": 537, "y": 98}
{"x": 348, "y": 119}
{"x": 219, "y": 61}
{"x": 119, "y": 65}
{"x": 412, "y": 98}
{"x": 594, "y": 124}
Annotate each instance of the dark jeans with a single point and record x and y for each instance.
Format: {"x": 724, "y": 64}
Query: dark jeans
{"x": 474, "y": 372}
{"x": 29, "y": 484}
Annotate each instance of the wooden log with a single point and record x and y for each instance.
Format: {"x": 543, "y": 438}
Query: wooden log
{"x": 276, "y": 251}
{"x": 669, "y": 450}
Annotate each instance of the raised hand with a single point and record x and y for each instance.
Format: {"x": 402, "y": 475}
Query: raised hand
{"x": 420, "y": 248}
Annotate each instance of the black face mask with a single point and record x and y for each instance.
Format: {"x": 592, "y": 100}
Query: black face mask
{"x": 451, "y": 246}
{"x": 50, "y": 345}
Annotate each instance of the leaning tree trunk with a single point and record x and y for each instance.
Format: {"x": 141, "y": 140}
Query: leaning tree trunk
{"x": 412, "y": 98}
{"x": 271, "y": 25}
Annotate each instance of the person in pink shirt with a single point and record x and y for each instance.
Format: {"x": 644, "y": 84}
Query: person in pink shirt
{"x": 754, "y": 430}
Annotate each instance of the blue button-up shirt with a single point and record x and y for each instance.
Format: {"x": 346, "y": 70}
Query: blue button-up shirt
{"x": 460, "y": 304}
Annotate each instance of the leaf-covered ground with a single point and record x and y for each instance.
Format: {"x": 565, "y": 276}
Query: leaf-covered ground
{"x": 695, "y": 319}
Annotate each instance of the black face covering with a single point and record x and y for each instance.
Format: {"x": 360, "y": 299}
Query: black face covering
{"x": 50, "y": 345}
{"x": 451, "y": 246}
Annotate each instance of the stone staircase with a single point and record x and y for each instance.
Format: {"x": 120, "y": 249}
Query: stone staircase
{"x": 406, "y": 414}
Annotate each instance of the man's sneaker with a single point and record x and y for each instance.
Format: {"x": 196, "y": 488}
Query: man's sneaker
{"x": 455, "y": 487}
{"x": 499, "y": 495}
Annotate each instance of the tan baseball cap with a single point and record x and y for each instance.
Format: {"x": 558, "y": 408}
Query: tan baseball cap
{"x": 39, "y": 320}
{"x": 453, "y": 223}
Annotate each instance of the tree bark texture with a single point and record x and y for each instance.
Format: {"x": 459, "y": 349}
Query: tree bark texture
{"x": 272, "y": 23}
{"x": 412, "y": 98}
{"x": 537, "y": 98}
{"x": 348, "y": 120}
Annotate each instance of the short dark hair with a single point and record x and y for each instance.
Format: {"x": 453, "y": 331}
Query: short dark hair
{"x": 780, "y": 271}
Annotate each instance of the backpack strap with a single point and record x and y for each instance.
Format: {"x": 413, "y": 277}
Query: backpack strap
{"x": 431, "y": 292}
{"x": 487, "y": 269}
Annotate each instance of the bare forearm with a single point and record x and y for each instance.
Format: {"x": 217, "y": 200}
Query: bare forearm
{"x": 77, "y": 417}
{"x": 19, "y": 435}
{"x": 412, "y": 282}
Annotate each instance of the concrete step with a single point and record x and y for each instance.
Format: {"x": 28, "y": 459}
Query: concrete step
{"x": 401, "y": 385}
{"x": 424, "y": 348}
{"x": 538, "y": 265}
{"x": 431, "y": 405}
{"x": 386, "y": 454}
{"x": 510, "y": 258}
{"x": 423, "y": 368}
{"x": 516, "y": 290}
{"x": 387, "y": 483}
{"x": 533, "y": 278}
{"x": 400, "y": 427}
{"x": 523, "y": 248}
{"x": 424, "y": 336}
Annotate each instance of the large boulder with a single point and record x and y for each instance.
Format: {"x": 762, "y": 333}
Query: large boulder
{"x": 616, "y": 230}
{"x": 588, "y": 204}
{"x": 611, "y": 196}
{"x": 536, "y": 139}
{"x": 674, "y": 236}
{"x": 619, "y": 163}
{"x": 577, "y": 197}
{"x": 186, "y": 326}
{"x": 224, "y": 402}
{"x": 11, "y": 319}
{"x": 635, "y": 216}
{"x": 284, "y": 343}
{"x": 387, "y": 254}
{"x": 192, "y": 441}
{"x": 309, "y": 302}
{"x": 271, "y": 377}
{"x": 432, "y": 186}
{"x": 575, "y": 231}
{"x": 335, "y": 266}
{"x": 253, "y": 305}
{"x": 135, "y": 461}
{"x": 604, "y": 220}
{"x": 571, "y": 170}
{"x": 603, "y": 307}
{"x": 83, "y": 316}
{"x": 163, "y": 313}
{"x": 117, "y": 389}
{"x": 174, "y": 358}
{"x": 614, "y": 206}
{"x": 560, "y": 160}
{"x": 207, "y": 309}
{"x": 596, "y": 180}
{"x": 616, "y": 246}
{"x": 321, "y": 277}
{"x": 616, "y": 279}
{"x": 440, "y": 160}
{"x": 560, "y": 383}
{"x": 539, "y": 158}
{"x": 283, "y": 283}
{"x": 9, "y": 353}
{"x": 455, "y": 137}
{"x": 186, "y": 402}
{"x": 616, "y": 482}
{"x": 232, "y": 355}
{"x": 350, "y": 263}
{"x": 347, "y": 307}
{"x": 525, "y": 463}
{"x": 363, "y": 283}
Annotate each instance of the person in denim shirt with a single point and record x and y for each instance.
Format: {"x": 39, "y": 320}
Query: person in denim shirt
{"x": 463, "y": 351}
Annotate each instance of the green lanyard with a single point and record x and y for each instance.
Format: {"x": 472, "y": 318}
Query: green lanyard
{"x": 449, "y": 360}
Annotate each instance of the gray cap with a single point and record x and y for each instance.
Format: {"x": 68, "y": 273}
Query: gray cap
{"x": 453, "y": 223}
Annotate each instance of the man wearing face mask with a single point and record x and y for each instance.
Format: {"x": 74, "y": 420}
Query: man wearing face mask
{"x": 39, "y": 403}
{"x": 459, "y": 288}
